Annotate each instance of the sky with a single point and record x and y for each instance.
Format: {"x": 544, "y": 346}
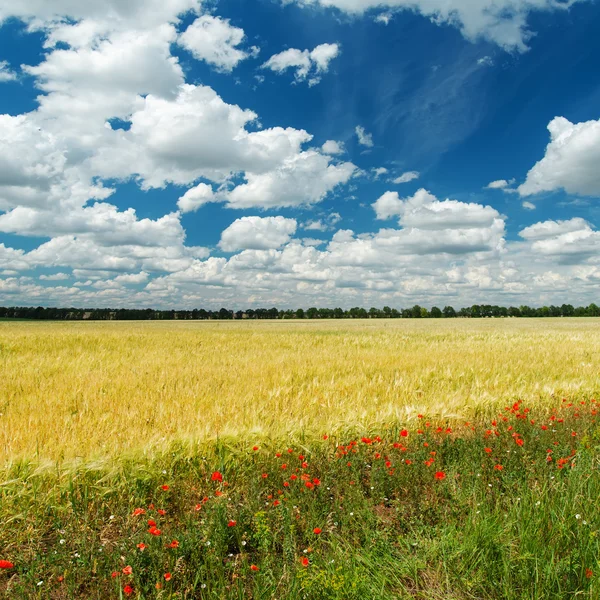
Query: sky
{"x": 296, "y": 153}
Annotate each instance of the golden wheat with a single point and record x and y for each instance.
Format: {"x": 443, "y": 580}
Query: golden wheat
{"x": 97, "y": 389}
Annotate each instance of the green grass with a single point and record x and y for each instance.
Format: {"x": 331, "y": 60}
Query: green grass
{"x": 528, "y": 531}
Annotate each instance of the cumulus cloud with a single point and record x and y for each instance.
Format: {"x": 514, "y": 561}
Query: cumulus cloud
{"x": 215, "y": 41}
{"x": 503, "y": 22}
{"x": 499, "y": 184}
{"x": 257, "y": 233}
{"x": 569, "y": 242}
{"x": 332, "y": 147}
{"x": 304, "y": 62}
{"x": 406, "y": 177}
{"x": 80, "y": 23}
{"x": 325, "y": 224}
{"x": 196, "y": 197}
{"x": 364, "y": 138}
{"x": 302, "y": 179}
{"x": 528, "y": 205}
{"x": 379, "y": 171}
{"x": 570, "y": 162}
{"x": 6, "y": 73}
{"x": 425, "y": 211}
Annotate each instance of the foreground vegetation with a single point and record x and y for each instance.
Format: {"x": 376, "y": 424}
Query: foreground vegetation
{"x": 429, "y": 459}
{"x": 503, "y": 508}
{"x": 88, "y": 390}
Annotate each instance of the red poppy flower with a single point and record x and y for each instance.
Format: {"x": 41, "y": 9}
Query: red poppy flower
{"x": 127, "y": 570}
{"x": 440, "y": 475}
{"x": 114, "y": 574}
{"x": 588, "y": 573}
{"x": 164, "y": 488}
{"x": 408, "y": 461}
{"x": 519, "y": 441}
{"x": 488, "y": 450}
{"x": 139, "y": 511}
{"x": 216, "y": 476}
{"x": 198, "y": 507}
{"x": 286, "y": 484}
{"x": 264, "y": 475}
{"x": 161, "y": 512}
{"x": 128, "y": 590}
{"x": 173, "y": 544}
{"x": 167, "y": 576}
{"x": 276, "y": 503}
{"x": 6, "y": 564}
{"x": 305, "y": 561}
{"x": 142, "y": 547}
{"x": 254, "y": 568}
{"x": 232, "y": 523}
{"x": 317, "y": 530}
{"x": 498, "y": 467}
{"x": 154, "y": 531}
{"x": 255, "y": 448}
{"x": 151, "y": 523}
{"x": 325, "y": 437}
{"x": 404, "y": 433}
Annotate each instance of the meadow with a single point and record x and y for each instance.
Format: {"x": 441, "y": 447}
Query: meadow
{"x": 341, "y": 459}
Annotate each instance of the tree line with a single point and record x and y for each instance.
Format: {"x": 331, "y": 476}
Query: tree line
{"x": 476, "y": 311}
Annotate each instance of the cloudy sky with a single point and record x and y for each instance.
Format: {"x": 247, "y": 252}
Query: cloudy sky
{"x": 188, "y": 153}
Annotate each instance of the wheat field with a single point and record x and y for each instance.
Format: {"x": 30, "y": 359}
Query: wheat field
{"x": 99, "y": 389}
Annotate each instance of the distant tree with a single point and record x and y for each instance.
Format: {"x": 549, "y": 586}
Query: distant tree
{"x": 312, "y": 313}
{"x": 435, "y": 313}
{"x": 449, "y": 312}
{"x": 567, "y": 310}
{"x": 416, "y": 312}
{"x": 593, "y": 310}
{"x": 300, "y": 313}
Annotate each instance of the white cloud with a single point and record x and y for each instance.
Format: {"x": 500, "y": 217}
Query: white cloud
{"x": 132, "y": 278}
{"x": 55, "y": 277}
{"x": 485, "y": 61}
{"x": 303, "y": 179}
{"x": 81, "y": 23}
{"x": 332, "y": 147}
{"x": 257, "y": 233}
{"x": 387, "y": 206}
{"x": 384, "y": 18}
{"x": 503, "y": 22}
{"x": 304, "y": 61}
{"x": 326, "y": 224}
{"x": 425, "y": 211}
{"x": 499, "y": 184}
{"x": 568, "y": 242}
{"x": 215, "y": 41}
{"x": 196, "y": 197}
{"x": 553, "y": 229}
{"x": 6, "y": 73}
{"x": 571, "y": 160}
{"x": 406, "y": 177}
{"x": 528, "y": 205}
{"x": 364, "y": 138}
{"x": 379, "y": 171}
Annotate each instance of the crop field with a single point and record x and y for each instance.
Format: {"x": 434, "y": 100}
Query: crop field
{"x": 434, "y": 459}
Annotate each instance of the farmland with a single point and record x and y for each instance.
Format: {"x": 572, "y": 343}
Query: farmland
{"x": 357, "y": 459}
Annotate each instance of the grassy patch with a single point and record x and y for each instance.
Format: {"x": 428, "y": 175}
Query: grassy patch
{"x": 505, "y": 507}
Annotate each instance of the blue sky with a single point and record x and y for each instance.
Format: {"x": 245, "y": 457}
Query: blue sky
{"x": 175, "y": 153}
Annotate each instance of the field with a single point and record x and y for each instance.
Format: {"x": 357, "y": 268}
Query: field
{"x": 341, "y": 459}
